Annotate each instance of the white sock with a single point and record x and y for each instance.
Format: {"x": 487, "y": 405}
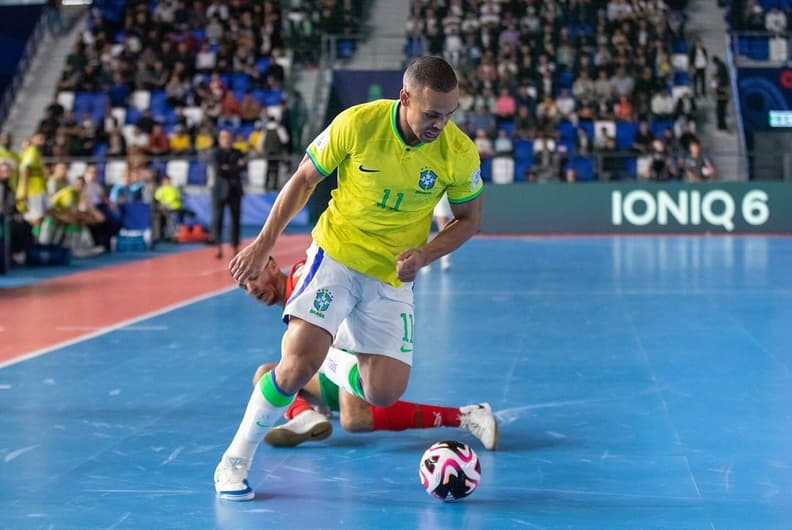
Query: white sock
{"x": 341, "y": 368}
{"x": 265, "y": 408}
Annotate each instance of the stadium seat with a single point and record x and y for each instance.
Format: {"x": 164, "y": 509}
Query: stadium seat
{"x": 178, "y": 171}
{"x": 133, "y": 115}
{"x": 583, "y": 167}
{"x": 66, "y": 100}
{"x": 257, "y": 170}
{"x": 141, "y": 99}
{"x": 193, "y": 115}
{"x": 114, "y": 172}
{"x": 262, "y": 65}
{"x": 197, "y": 173}
{"x": 119, "y": 113}
{"x": 502, "y": 170}
{"x": 625, "y": 134}
{"x": 681, "y": 79}
{"x": 486, "y": 170}
{"x": 520, "y": 167}
{"x": 76, "y": 169}
{"x": 523, "y": 150}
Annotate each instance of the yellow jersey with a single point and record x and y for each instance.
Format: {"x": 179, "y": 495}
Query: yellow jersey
{"x": 64, "y": 199}
{"x": 387, "y": 189}
{"x": 12, "y": 159}
{"x": 169, "y": 196}
{"x": 31, "y": 160}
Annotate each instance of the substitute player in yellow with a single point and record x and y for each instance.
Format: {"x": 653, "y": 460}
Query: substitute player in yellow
{"x": 394, "y": 159}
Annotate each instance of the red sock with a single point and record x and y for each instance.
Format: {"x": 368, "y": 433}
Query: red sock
{"x": 298, "y": 405}
{"x": 405, "y": 415}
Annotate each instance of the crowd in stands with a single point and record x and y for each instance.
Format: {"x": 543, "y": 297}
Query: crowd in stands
{"x": 761, "y": 15}
{"x": 571, "y": 89}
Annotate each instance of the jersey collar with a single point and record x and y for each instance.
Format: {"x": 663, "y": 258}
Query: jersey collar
{"x": 395, "y": 127}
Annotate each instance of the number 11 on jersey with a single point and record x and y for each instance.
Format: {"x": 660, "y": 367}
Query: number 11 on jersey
{"x": 386, "y": 195}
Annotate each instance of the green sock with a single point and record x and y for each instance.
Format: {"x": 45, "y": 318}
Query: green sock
{"x": 265, "y": 407}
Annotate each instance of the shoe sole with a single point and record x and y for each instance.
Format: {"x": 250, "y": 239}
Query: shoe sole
{"x": 495, "y": 442}
{"x": 279, "y": 437}
{"x": 236, "y": 497}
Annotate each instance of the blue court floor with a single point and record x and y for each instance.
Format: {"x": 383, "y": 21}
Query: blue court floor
{"x": 640, "y": 382}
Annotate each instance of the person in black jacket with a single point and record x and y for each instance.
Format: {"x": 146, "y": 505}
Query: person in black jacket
{"x": 226, "y": 190}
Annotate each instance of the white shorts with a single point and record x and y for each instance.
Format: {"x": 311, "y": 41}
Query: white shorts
{"x": 443, "y": 208}
{"x": 363, "y": 314}
{"x": 36, "y": 207}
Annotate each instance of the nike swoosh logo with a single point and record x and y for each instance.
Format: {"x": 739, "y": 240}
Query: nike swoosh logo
{"x": 366, "y": 170}
{"x": 405, "y": 350}
{"x": 260, "y": 424}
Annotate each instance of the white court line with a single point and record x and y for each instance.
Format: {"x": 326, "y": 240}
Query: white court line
{"x": 108, "y": 329}
{"x": 144, "y": 328}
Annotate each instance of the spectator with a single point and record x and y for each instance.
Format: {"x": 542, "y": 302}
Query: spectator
{"x": 204, "y": 139}
{"x": 57, "y": 178}
{"x": 583, "y": 87}
{"x": 722, "y": 92}
{"x": 20, "y": 231}
{"x": 546, "y": 159}
{"x": 505, "y": 105}
{"x": 31, "y": 190}
{"x": 249, "y": 109}
{"x": 503, "y": 144}
{"x": 10, "y": 158}
{"x": 623, "y": 109}
{"x": 565, "y": 104}
{"x": 695, "y": 166}
{"x": 525, "y": 124}
{"x": 229, "y": 111}
{"x": 775, "y": 21}
{"x": 274, "y": 141}
{"x": 484, "y": 144}
{"x": 583, "y": 145}
{"x": 158, "y": 143}
{"x": 660, "y": 166}
{"x": 698, "y": 59}
{"x": 180, "y": 141}
{"x": 226, "y": 190}
{"x": 663, "y": 105}
{"x": 116, "y": 143}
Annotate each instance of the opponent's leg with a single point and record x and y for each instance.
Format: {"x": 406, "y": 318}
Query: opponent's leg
{"x": 305, "y": 423}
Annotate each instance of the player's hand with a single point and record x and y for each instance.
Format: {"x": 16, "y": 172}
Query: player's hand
{"x": 408, "y": 263}
{"x": 249, "y": 262}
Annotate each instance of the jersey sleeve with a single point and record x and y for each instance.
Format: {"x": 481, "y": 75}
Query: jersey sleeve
{"x": 467, "y": 184}
{"x": 333, "y": 144}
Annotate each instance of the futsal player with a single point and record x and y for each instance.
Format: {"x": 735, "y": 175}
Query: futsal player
{"x": 394, "y": 160}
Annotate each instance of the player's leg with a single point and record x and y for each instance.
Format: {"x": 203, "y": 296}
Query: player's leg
{"x": 305, "y": 423}
{"x": 304, "y": 348}
{"x": 320, "y": 303}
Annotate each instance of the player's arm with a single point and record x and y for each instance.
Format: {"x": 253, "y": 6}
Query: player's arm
{"x": 466, "y": 221}
{"x": 464, "y": 225}
{"x": 292, "y": 198}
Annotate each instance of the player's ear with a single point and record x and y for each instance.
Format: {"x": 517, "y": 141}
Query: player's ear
{"x": 404, "y": 97}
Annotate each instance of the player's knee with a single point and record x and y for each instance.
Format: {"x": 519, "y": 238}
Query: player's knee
{"x": 383, "y": 397}
{"x": 261, "y": 370}
{"x": 291, "y": 377}
{"x": 353, "y": 423}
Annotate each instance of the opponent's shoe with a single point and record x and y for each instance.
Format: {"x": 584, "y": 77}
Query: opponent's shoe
{"x": 306, "y": 426}
{"x": 479, "y": 420}
{"x": 231, "y": 479}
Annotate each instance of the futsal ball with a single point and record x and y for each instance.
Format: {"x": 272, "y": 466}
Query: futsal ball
{"x": 449, "y": 470}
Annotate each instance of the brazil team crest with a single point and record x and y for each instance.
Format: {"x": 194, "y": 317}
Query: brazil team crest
{"x": 427, "y": 179}
{"x": 322, "y": 302}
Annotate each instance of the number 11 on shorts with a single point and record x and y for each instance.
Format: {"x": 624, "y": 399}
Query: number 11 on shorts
{"x": 407, "y": 321}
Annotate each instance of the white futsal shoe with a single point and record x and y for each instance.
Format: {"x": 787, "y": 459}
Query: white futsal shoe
{"x": 307, "y": 426}
{"x": 479, "y": 420}
{"x": 231, "y": 479}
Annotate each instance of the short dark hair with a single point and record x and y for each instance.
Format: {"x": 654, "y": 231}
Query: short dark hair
{"x": 432, "y": 72}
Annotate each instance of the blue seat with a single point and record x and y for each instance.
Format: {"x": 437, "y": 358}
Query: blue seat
{"x": 240, "y": 83}
{"x": 133, "y": 115}
{"x": 523, "y": 150}
{"x": 344, "y": 48}
{"x": 681, "y": 79}
{"x": 565, "y": 79}
{"x": 583, "y": 167}
{"x": 520, "y": 167}
{"x": 507, "y": 126}
{"x": 99, "y": 151}
{"x": 196, "y": 175}
{"x": 625, "y": 134}
{"x": 566, "y": 131}
{"x": 657, "y": 127}
{"x": 588, "y": 126}
{"x": 262, "y": 65}
{"x": 158, "y": 102}
{"x": 486, "y": 170}
{"x": 272, "y": 97}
